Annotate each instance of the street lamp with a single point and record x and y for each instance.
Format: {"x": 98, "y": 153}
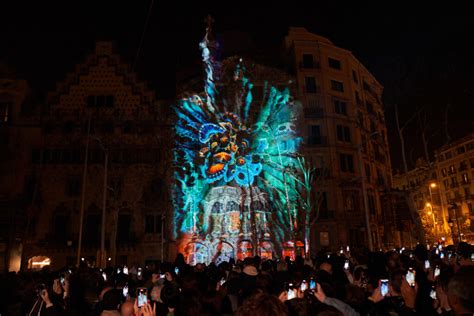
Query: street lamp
{"x": 430, "y": 212}
{"x": 104, "y": 204}
{"x": 433, "y": 185}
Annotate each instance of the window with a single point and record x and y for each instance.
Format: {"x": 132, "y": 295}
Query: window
{"x": 123, "y": 227}
{"x": 334, "y": 63}
{"x": 448, "y": 155}
{"x": 454, "y": 182}
{"x": 440, "y": 158}
{"x": 310, "y": 84}
{"x": 470, "y": 146}
{"x": 354, "y": 76}
{"x": 446, "y": 183}
{"x": 343, "y": 134}
{"x": 372, "y": 207}
{"x": 100, "y": 101}
{"x": 337, "y": 86}
{"x": 346, "y": 163}
{"x": 73, "y": 186}
{"x": 153, "y": 224}
{"x": 5, "y": 112}
{"x": 461, "y": 150}
{"x": 61, "y": 226}
{"x": 324, "y": 239}
{"x": 314, "y": 135}
{"x": 92, "y": 228}
{"x": 308, "y": 61}
{"x": 467, "y": 192}
{"x": 463, "y": 165}
{"x": 358, "y": 99}
{"x": 465, "y": 178}
{"x": 370, "y": 107}
{"x": 443, "y": 172}
{"x": 452, "y": 169}
{"x": 340, "y": 107}
{"x": 368, "y": 175}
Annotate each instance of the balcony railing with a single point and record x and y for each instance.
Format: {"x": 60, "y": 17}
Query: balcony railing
{"x": 316, "y": 112}
{"x": 316, "y": 141}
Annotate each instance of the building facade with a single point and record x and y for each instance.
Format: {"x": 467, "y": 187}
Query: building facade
{"x": 442, "y": 191}
{"x": 344, "y": 129}
{"x": 103, "y": 109}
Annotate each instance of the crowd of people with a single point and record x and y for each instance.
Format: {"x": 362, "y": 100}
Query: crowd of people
{"x": 421, "y": 281}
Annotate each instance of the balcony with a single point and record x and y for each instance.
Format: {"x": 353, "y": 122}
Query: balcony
{"x": 314, "y": 141}
{"x": 316, "y": 112}
{"x": 309, "y": 66}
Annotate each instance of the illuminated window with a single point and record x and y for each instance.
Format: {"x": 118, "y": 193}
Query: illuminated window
{"x": 337, "y": 86}
{"x": 5, "y": 115}
{"x": 465, "y": 178}
{"x": 443, "y": 172}
{"x": 334, "y": 63}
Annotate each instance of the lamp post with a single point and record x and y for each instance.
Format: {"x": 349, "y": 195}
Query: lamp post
{"x": 102, "y": 258}
{"x": 454, "y": 207}
{"x": 432, "y": 186}
{"x": 451, "y": 224}
{"x": 430, "y": 212}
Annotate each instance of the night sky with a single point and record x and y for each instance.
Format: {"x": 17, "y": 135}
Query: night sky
{"x": 423, "y": 56}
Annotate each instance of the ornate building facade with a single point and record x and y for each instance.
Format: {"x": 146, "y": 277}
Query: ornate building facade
{"x": 103, "y": 109}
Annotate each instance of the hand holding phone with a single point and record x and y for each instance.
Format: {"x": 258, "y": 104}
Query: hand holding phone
{"x": 384, "y": 287}
{"x": 312, "y": 285}
{"x": 303, "y": 286}
{"x": 291, "y": 294}
{"x": 433, "y": 293}
{"x": 427, "y": 264}
{"x": 125, "y": 291}
{"x": 410, "y": 277}
{"x": 437, "y": 271}
{"x": 142, "y": 296}
{"x": 346, "y": 265}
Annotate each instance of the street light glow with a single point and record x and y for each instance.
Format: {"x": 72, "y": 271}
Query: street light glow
{"x": 433, "y": 185}
{"x": 428, "y": 204}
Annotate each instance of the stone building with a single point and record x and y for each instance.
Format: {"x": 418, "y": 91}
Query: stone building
{"x": 103, "y": 108}
{"x": 344, "y": 129}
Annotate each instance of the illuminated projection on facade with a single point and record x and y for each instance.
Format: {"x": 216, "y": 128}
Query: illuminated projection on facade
{"x": 234, "y": 194}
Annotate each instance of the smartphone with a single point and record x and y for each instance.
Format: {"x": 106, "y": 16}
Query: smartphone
{"x": 437, "y": 251}
{"x": 341, "y": 251}
{"x": 437, "y": 271}
{"x": 427, "y": 264}
{"x": 472, "y": 256}
{"x": 449, "y": 255}
{"x": 125, "y": 290}
{"x": 162, "y": 276}
{"x": 441, "y": 255}
{"x": 142, "y": 296}
{"x": 176, "y": 270}
{"x": 410, "y": 277}
{"x": 440, "y": 247}
{"x": 312, "y": 284}
{"x": 433, "y": 293}
{"x": 139, "y": 272}
{"x": 348, "y": 249}
{"x": 346, "y": 265}
{"x": 222, "y": 281}
{"x": 303, "y": 286}
{"x": 104, "y": 276}
{"x": 62, "y": 279}
{"x": 384, "y": 286}
{"x": 118, "y": 271}
{"x": 291, "y": 294}
{"x": 125, "y": 270}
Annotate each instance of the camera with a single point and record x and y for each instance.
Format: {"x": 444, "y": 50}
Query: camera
{"x": 410, "y": 277}
{"x": 312, "y": 284}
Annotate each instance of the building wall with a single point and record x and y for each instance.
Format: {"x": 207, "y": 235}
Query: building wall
{"x": 439, "y": 184}
{"x": 131, "y": 125}
{"x": 344, "y": 219}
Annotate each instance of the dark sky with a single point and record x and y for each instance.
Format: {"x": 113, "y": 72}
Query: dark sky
{"x": 423, "y": 56}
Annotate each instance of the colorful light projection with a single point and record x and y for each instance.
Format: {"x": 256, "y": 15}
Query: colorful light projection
{"x": 235, "y": 194}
